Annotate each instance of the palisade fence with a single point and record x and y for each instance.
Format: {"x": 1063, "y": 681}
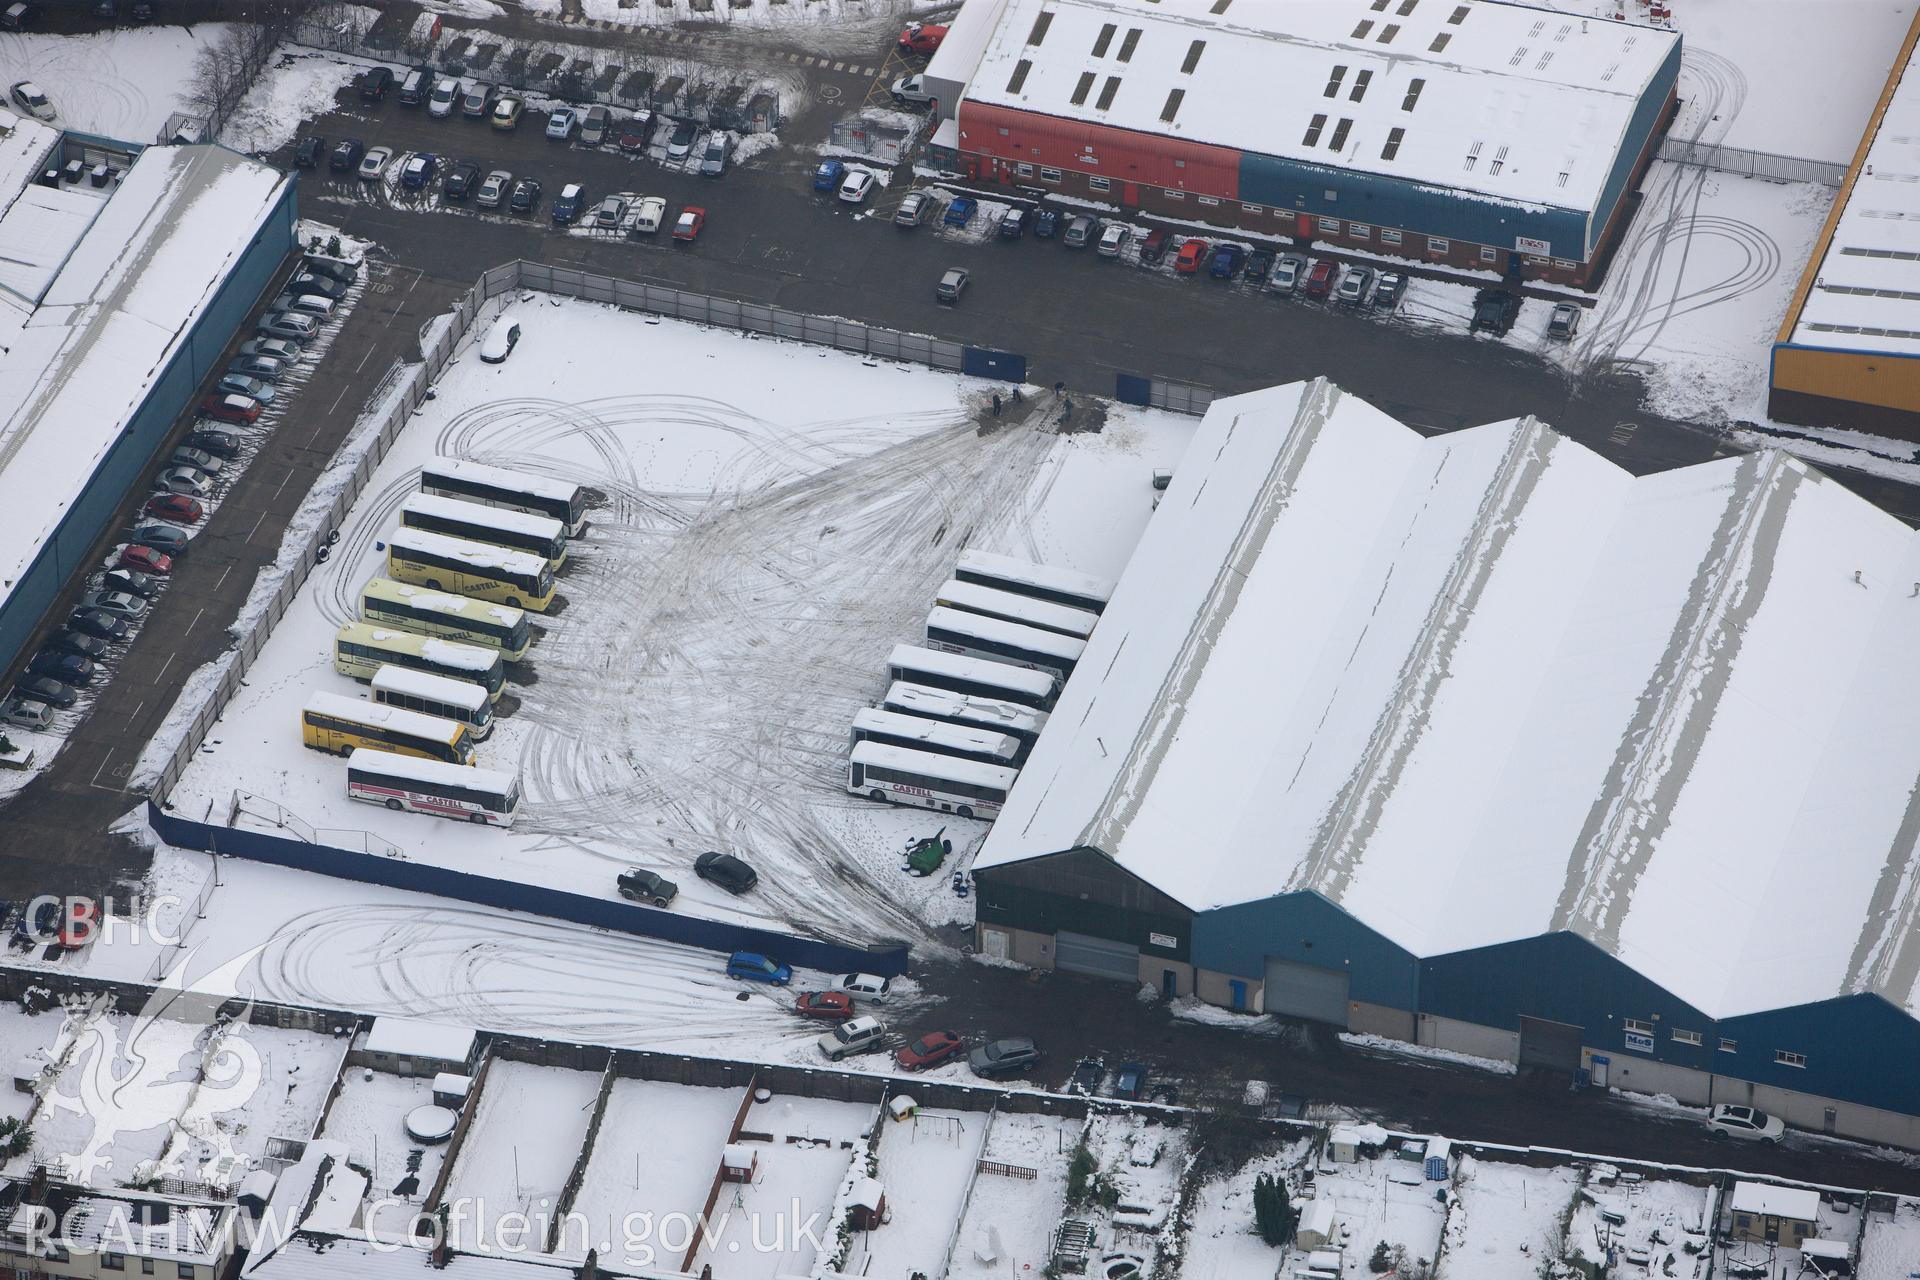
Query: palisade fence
{"x": 1753, "y": 164}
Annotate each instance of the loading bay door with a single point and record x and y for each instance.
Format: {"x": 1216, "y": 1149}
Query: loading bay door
{"x": 1305, "y": 991}
{"x": 1554, "y": 1046}
{"x": 1097, "y": 957}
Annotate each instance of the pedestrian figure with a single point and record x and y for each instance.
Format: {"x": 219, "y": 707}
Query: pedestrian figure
{"x": 996, "y": 404}
{"x": 1017, "y": 397}
{"x": 1058, "y": 387}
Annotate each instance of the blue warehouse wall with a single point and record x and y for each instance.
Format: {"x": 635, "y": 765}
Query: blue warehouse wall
{"x": 1858, "y": 1048}
{"x": 1305, "y": 927}
{"x": 67, "y": 550}
{"x": 1640, "y": 128}
{"x": 1390, "y": 202}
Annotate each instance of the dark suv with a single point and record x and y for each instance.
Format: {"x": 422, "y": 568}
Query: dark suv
{"x": 727, "y": 871}
{"x": 637, "y": 885}
{"x": 375, "y": 83}
{"x": 1494, "y": 310}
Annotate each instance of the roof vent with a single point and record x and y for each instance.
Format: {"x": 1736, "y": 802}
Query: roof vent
{"x": 1172, "y": 109}
{"x": 1220, "y": 6}
{"x": 1388, "y": 32}
{"x": 1413, "y": 94}
{"x": 1314, "y": 127}
{"x": 1040, "y": 25}
{"x": 1360, "y": 82}
{"x": 1340, "y": 132}
{"x": 1104, "y": 39}
{"x": 1473, "y": 157}
{"x": 1107, "y": 90}
{"x": 1081, "y": 90}
{"x": 1360, "y": 32}
{"x": 1392, "y": 148}
{"x": 1406, "y": 7}
{"x": 1333, "y": 82}
{"x": 1194, "y": 51}
{"x": 1019, "y": 79}
{"x": 1459, "y": 16}
{"x": 1440, "y": 42}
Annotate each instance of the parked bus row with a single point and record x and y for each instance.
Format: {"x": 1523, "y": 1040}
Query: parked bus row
{"x": 962, "y": 713}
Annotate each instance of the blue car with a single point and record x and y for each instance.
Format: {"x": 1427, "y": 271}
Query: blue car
{"x": 1226, "y": 262}
{"x": 827, "y": 176}
{"x": 1130, "y": 1082}
{"x": 960, "y": 212}
{"x": 754, "y": 967}
{"x": 418, "y": 171}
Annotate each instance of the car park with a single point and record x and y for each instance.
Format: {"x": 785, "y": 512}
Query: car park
{"x": 687, "y": 226}
{"x": 1013, "y": 223}
{"x": 271, "y": 349}
{"x": 374, "y": 83}
{"x": 594, "y": 125}
{"x": 174, "y": 506}
{"x": 500, "y": 340}
{"x": 1354, "y": 286}
{"x": 1080, "y": 231}
{"x": 444, "y": 98}
{"x": 161, "y": 537}
{"x": 506, "y": 113}
{"x": 68, "y": 668}
{"x": 494, "y": 189}
{"x": 239, "y": 384}
{"x": 912, "y": 210}
{"x": 636, "y": 884}
{"x": 1226, "y": 261}
{"x": 1259, "y": 265}
{"x": 1154, "y": 247}
{"x": 99, "y": 624}
{"x": 186, "y": 480}
{"x": 311, "y": 151}
{"x": 856, "y": 1035}
{"x": 221, "y": 442}
{"x": 952, "y": 284}
{"x": 719, "y": 152}
{"x": 827, "y": 175}
{"x": 865, "y": 986}
{"x": 1012, "y": 1056}
{"x": 67, "y": 640}
{"x": 199, "y": 459}
{"x": 417, "y": 172}
{"x": 144, "y": 560}
{"x": 922, "y": 38}
{"x": 45, "y": 689}
{"x": 289, "y": 325}
{"x": 526, "y": 196}
{"x": 825, "y": 1006}
{"x": 1191, "y": 255}
{"x": 726, "y": 871}
{"x": 120, "y": 604}
{"x": 461, "y": 180}
{"x": 568, "y": 204}
{"x": 32, "y": 100}
{"x": 959, "y": 211}
{"x": 345, "y": 156}
{"x": 1387, "y": 294}
{"x": 311, "y": 282}
{"x": 560, "y": 124}
{"x": 1130, "y": 1081}
{"x": 930, "y": 1050}
{"x": 26, "y": 713}
{"x": 649, "y": 214}
{"x": 1319, "y": 279}
{"x": 680, "y": 141}
{"x": 416, "y": 85}
{"x": 610, "y": 212}
{"x": 225, "y": 407}
{"x": 374, "y": 163}
{"x": 754, "y": 967}
{"x": 133, "y": 582}
{"x": 1494, "y": 311}
{"x": 477, "y": 102}
{"x": 856, "y": 186}
{"x": 1112, "y": 237}
{"x": 1564, "y": 322}
{"x": 1730, "y": 1121}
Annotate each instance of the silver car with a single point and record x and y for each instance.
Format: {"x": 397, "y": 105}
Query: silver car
{"x": 189, "y": 481}
{"x": 913, "y": 208}
{"x": 117, "y": 603}
{"x": 1288, "y": 272}
{"x": 272, "y": 348}
{"x": 198, "y": 459}
{"x": 24, "y": 713}
{"x": 494, "y": 190}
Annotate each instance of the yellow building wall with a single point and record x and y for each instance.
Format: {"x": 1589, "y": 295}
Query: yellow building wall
{"x": 1889, "y": 382}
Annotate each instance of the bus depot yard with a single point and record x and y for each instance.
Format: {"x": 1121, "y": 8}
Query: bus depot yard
{"x": 765, "y": 522}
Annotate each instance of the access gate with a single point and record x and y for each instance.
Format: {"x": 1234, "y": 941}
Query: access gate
{"x": 1305, "y": 991}
{"x": 1097, "y": 957}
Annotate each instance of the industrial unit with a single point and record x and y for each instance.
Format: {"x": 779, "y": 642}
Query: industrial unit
{"x": 1848, "y": 352}
{"x": 124, "y": 274}
{"x": 1482, "y": 743}
{"x": 1475, "y": 134}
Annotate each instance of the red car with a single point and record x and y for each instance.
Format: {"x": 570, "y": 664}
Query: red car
{"x": 77, "y": 923}
{"x": 687, "y": 225}
{"x": 921, "y": 37}
{"x": 930, "y": 1050}
{"x": 145, "y": 560}
{"x": 1192, "y": 254}
{"x": 175, "y": 506}
{"x": 1320, "y": 279}
{"x": 231, "y": 408}
{"x": 833, "y": 1006}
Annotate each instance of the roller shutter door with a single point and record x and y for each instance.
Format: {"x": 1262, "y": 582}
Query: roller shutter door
{"x": 1098, "y": 957}
{"x": 1554, "y": 1046}
{"x": 1305, "y": 991}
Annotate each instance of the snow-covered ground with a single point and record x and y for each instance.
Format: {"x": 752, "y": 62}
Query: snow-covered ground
{"x": 775, "y": 518}
{"x": 1890, "y": 1246}
{"x": 1654, "y": 1218}
{"x": 1506, "y": 1219}
{"x": 924, "y": 1164}
{"x": 296, "y": 85}
{"x": 120, "y": 84}
{"x": 370, "y": 1116}
{"x": 1009, "y": 1222}
{"x": 1221, "y": 1241}
{"x": 519, "y": 1148}
{"x": 1380, "y": 1199}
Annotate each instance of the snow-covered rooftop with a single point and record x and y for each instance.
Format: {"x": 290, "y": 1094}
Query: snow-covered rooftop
{"x": 1865, "y": 294}
{"x": 125, "y": 294}
{"x": 1517, "y": 104}
{"x": 1487, "y": 685}
{"x": 416, "y": 1038}
{"x": 1777, "y": 1202}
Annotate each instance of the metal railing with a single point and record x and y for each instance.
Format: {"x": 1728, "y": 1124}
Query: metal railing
{"x": 1753, "y": 164}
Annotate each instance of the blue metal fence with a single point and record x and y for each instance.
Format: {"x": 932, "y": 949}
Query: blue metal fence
{"x": 982, "y": 362}
{"x": 888, "y": 960}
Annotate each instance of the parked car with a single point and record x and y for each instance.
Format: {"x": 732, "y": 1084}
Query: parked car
{"x": 331, "y": 268}
{"x": 1079, "y": 232}
{"x": 68, "y": 668}
{"x": 32, "y": 100}
{"x": 26, "y": 713}
{"x": 494, "y": 189}
{"x": 594, "y": 125}
{"x": 417, "y": 172}
{"x": 100, "y": 625}
{"x": 462, "y": 178}
{"x": 199, "y": 459}
{"x": 120, "y": 604}
{"x": 913, "y": 208}
{"x": 184, "y": 480}
{"x": 959, "y": 212}
{"x": 67, "y": 640}
{"x": 77, "y": 924}
{"x": 477, "y": 102}
{"x": 1112, "y": 237}
{"x": 636, "y": 135}
{"x": 826, "y": 1006}
{"x": 827, "y": 175}
{"x": 311, "y": 304}
{"x": 1086, "y": 1077}
{"x": 911, "y": 90}
{"x": 271, "y": 348}
{"x": 1319, "y": 281}
{"x": 951, "y": 286}
{"x": 374, "y": 83}
{"x": 228, "y": 407}
{"x": 610, "y": 212}
{"x": 314, "y": 282}
{"x": 131, "y": 581}
{"x": 45, "y": 689}
{"x": 444, "y": 98}
{"x": 500, "y": 340}
{"x": 1564, "y": 322}
{"x": 345, "y": 157}
{"x": 687, "y": 226}
{"x": 239, "y": 384}
{"x": 1289, "y": 271}
{"x": 856, "y": 186}
{"x": 1013, "y": 223}
{"x": 921, "y": 37}
{"x": 374, "y": 163}
{"x": 1730, "y": 1121}
{"x": 1154, "y": 247}
{"x": 1130, "y": 1081}
{"x": 290, "y": 325}
{"x": 174, "y": 506}
{"x": 416, "y": 85}
{"x": 568, "y": 203}
{"x": 506, "y": 113}
{"x": 856, "y": 1035}
{"x": 1045, "y": 222}
{"x": 718, "y": 154}
{"x": 1354, "y": 286}
{"x": 221, "y": 442}
{"x": 1259, "y": 265}
{"x": 649, "y": 214}
{"x": 997, "y": 1058}
{"x": 1191, "y": 255}
{"x": 161, "y": 537}
{"x": 865, "y": 986}
{"x": 560, "y": 124}
{"x": 636, "y": 884}
{"x": 1494, "y": 310}
{"x": 144, "y": 560}
{"x": 727, "y": 871}
{"x": 930, "y": 1050}
{"x": 680, "y": 142}
{"x": 1387, "y": 293}
{"x": 526, "y": 196}
{"x": 19, "y": 16}
{"x": 754, "y": 967}
{"x": 311, "y": 151}
{"x": 1226, "y": 261}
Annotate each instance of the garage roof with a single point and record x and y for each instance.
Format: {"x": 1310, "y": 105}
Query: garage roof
{"x": 1487, "y": 685}
{"x": 1516, "y": 104}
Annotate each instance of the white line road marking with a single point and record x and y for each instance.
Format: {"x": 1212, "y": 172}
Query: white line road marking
{"x": 223, "y": 574}
{"x": 160, "y": 673}
{"x": 196, "y": 618}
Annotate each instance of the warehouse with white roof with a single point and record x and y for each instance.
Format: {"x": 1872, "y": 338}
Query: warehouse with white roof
{"x": 1481, "y": 742}
{"x": 1477, "y": 134}
{"x": 124, "y": 274}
